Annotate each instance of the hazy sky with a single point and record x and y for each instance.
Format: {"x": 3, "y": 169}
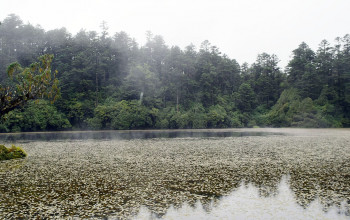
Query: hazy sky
{"x": 240, "y": 28}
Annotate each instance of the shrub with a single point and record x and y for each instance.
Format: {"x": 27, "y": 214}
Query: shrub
{"x": 164, "y": 123}
{"x": 121, "y": 115}
{"x": 11, "y": 153}
{"x": 3, "y": 128}
{"x": 216, "y": 117}
{"x": 36, "y": 116}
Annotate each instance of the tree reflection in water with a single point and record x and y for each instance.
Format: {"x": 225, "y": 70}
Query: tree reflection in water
{"x": 247, "y": 203}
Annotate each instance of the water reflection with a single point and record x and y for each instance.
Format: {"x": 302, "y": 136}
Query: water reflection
{"x": 117, "y": 178}
{"x": 129, "y": 135}
{"x": 247, "y": 203}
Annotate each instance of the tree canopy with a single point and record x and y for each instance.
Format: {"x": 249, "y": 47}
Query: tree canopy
{"x": 109, "y": 81}
{"x": 24, "y": 84}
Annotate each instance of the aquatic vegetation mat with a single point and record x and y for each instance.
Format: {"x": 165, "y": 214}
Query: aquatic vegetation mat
{"x": 97, "y": 179}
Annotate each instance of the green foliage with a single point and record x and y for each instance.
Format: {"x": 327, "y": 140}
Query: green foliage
{"x": 111, "y": 82}
{"x": 282, "y": 112}
{"x": 290, "y": 110}
{"x": 197, "y": 116}
{"x": 131, "y": 115}
{"x": 163, "y": 123}
{"x": 306, "y": 115}
{"x": 217, "y": 117}
{"x": 29, "y": 83}
{"x": 246, "y": 98}
{"x": 121, "y": 115}
{"x": 36, "y": 116}
{"x": 179, "y": 120}
{"x": 11, "y": 153}
{"x": 260, "y": 116}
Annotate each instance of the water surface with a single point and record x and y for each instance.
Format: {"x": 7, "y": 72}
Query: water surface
{"x": 132, "y": 134}
{"x": 173, "y": 178}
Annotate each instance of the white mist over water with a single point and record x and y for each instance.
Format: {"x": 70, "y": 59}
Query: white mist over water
{"x": 245, "y": 203}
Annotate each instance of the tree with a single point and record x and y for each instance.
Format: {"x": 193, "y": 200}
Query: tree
{"x": 182, "y": 88}
{"x": 246, "y": 98}
{"x": 35, "y": 81}
{"x": 266, "y": 79}
{"x": 283, "y": 111}
{"x": 324, "y": 63}
{"x": 302, "y": 72}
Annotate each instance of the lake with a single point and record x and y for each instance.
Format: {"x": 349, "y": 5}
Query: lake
{"x": 132, "y": 134}
{"x": 179, "y": 174}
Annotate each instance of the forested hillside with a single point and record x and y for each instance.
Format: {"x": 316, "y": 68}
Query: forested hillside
{"x": 109, "y": 81}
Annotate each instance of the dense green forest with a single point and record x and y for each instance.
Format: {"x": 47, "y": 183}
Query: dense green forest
{"x": 111, "y": 82}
